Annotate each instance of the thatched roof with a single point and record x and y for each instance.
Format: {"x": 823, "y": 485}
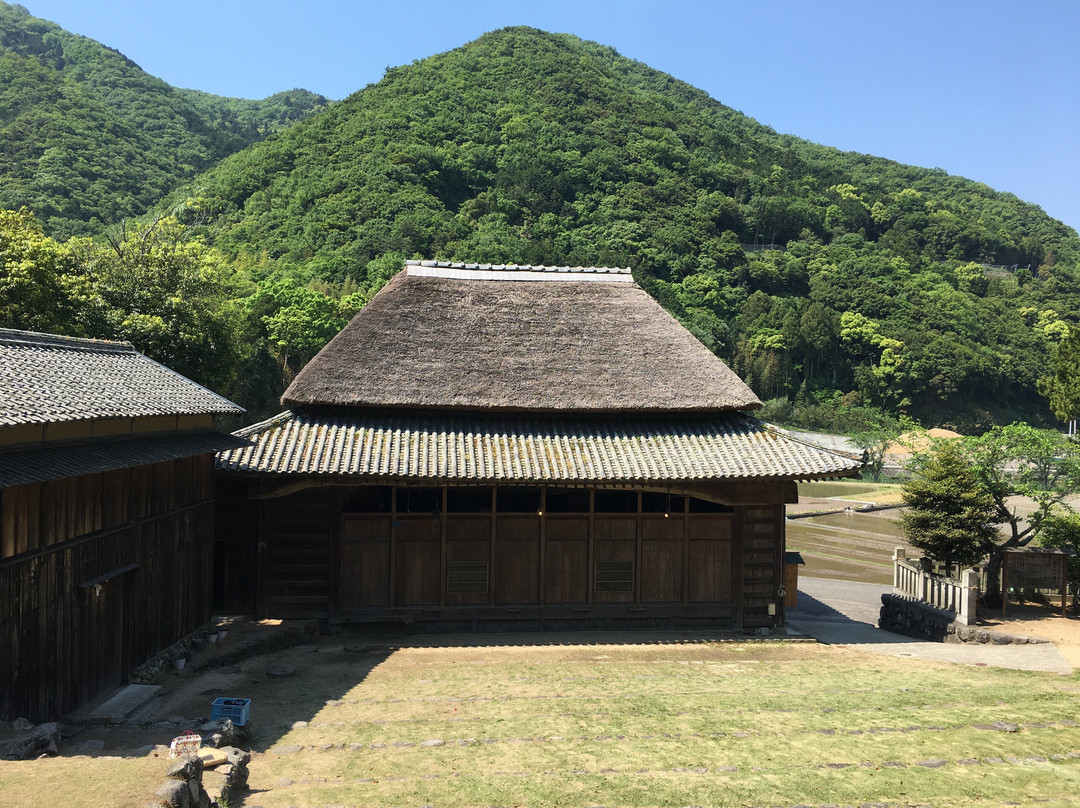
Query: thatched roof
{"x": 504, "y": 448}
{"x": 459, "y": 336}
{"x": 46, "y": 379}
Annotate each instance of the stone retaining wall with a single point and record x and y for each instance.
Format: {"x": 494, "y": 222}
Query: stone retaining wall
{"x": 911, "y": 618}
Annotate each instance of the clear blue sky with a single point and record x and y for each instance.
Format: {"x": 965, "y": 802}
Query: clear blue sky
{"x": 988, "y": 90}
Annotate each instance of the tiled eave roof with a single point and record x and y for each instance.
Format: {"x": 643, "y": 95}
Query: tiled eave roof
{"x": 43, "y": 463}
{"x": 569, "y": 450}
{"x": 49, "y": 379}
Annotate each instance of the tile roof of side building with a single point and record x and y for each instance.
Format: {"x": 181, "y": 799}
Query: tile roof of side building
{"x": 517, "y": 339}
{"x": 46, "y": 379}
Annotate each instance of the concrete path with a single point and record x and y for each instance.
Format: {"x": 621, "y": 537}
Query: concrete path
{"x": 120, "y": 704}
{"x": 845, "y": 613}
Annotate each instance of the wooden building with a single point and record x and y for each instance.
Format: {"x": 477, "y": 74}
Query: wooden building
{"x": 106, "y": 516}
{"x": 487, "y": 447}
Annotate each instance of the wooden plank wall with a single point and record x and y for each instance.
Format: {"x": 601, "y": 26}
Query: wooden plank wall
{"x": 320, "y": 561}
{"x": 296, "y": 566}
{"x": 762, "y": 545}
{"x": 144, "y": 534}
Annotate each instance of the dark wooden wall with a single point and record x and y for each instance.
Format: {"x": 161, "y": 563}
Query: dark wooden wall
{"x": 321, "y": 558}
{"x": 295, "y": 567}
{"x": 98, "y": 573}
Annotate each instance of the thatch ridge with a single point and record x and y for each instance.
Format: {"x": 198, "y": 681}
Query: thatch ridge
{"x": 437, "y": 342}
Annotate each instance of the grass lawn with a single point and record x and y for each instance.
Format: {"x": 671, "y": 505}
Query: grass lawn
{"x": 674, "y": 724}
{"x": 572, "y": 723}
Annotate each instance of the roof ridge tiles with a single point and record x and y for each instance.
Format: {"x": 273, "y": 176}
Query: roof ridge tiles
{"x": 10, "y": 336}
{"x": 428, "y": 264}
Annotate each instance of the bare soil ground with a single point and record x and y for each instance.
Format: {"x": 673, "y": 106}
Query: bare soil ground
{"x": 1039, "y": 620}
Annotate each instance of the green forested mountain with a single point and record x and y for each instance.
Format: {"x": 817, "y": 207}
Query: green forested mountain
{"x": 816, "y": 273}
{"x": 85, "y": 134}
{"x": 824, "y": 278}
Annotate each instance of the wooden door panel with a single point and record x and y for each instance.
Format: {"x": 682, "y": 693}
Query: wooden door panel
{"x": 417, "y": 562}
{"x": 364, "y": 567}
{"x": 518, "y": 559}
{"x": 710, "y": 572}
{"x": 468, "y": 560}
{"x": 661, "y": 573}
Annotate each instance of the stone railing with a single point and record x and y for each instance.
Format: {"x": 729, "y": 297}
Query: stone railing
{"x": 948, "y": 594}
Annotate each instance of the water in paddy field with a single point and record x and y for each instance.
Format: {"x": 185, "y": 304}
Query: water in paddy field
{"x": 850, "y": 546}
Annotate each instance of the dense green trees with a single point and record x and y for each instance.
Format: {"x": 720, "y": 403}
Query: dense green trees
{"x": 1019, "y": 460}
{"x": 87, "y": 138}
{"x": 34, "y": 275}
{"x": 531, "y": 147}
{"x": 963, "y": 489}
{"x": 159, "y": 286}
{"x": 824, "y": 278}
{"x": 1062, "y": 385}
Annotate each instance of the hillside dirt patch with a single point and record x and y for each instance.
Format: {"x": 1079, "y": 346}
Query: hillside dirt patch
{"x": 901, "y": 450}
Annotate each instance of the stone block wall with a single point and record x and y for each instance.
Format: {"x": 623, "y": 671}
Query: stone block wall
{"x": 912, "y": 618}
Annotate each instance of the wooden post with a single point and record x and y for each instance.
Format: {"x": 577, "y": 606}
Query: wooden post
{"x": 591, "y": 584}
{"x": 542, "y": 596}
{"x": 443, "y": 566}
{"x": 686, "y": 551}
{"x": 391, "y": 594}
{"x": 638, "y": 528}
{"x": 1005, "y": 585}
{"x": 492, "y": 556}
{"x": 1064, "y": 585}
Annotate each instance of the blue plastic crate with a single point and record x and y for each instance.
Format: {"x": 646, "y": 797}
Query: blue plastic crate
{"x": 236, "y": 710}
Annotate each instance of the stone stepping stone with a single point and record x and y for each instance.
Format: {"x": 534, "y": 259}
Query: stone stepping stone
{"x": 932, "y": 763}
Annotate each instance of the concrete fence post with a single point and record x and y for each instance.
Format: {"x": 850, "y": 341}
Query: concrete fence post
{"x": 969, "y": 597}
{"x": 900, "y": 554}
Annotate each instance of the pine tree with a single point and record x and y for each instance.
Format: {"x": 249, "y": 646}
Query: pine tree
{"x": 950, "y": 516}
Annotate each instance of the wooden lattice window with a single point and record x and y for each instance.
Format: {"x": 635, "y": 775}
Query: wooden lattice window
{"x": 466, "y": 577}
{"x": 614, "y": 576}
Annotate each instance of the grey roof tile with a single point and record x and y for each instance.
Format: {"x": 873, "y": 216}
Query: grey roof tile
{"x": 461, "y": 447}
{"x": 46, "y": 379}
{"x": 44, "y": 463}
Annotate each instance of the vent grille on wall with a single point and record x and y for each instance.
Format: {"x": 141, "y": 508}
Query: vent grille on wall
{"x": 467, "y": 576}
{"x": 614, "y": 576}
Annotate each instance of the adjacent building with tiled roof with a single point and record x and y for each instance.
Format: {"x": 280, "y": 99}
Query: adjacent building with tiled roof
{"x": 106, "y": 515}
{"x": 488, "y": 445}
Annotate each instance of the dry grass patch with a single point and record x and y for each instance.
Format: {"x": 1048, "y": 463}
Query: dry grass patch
{"x": 80, "y": 780}
{"x": 709, "y": 723}
{"x": 631, "y": 724}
